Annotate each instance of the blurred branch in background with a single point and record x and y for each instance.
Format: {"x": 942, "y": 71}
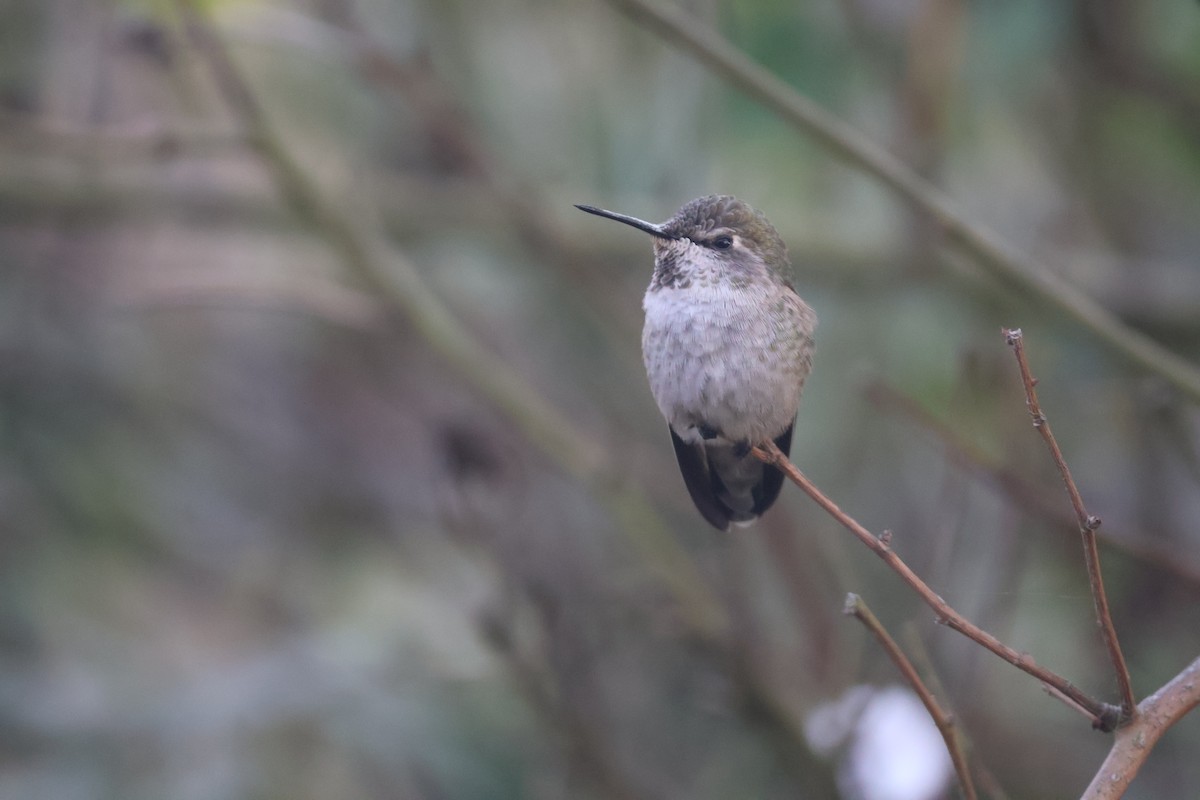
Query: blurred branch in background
{"x": 388, "y": 275}
{"x": 1034, "y": 279}
{"x": 1021, "y": 492}
{"x": 459, "y": 148}
{"x": 148, "y": 140}
{"x": 943, "y": 719}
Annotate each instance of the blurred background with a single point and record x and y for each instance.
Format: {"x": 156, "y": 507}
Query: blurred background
{"x": 290, "y": 516}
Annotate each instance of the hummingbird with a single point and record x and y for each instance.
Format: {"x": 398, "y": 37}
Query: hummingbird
{"x": 727, "y": 345}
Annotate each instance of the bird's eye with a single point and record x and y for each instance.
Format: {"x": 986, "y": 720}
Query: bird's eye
{"x": 722, "y": 243}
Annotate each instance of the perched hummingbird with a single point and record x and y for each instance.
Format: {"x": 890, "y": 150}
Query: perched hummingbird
{"x": 727, "y": 345}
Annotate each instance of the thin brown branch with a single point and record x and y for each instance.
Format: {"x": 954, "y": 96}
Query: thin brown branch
{"x": 1133, "y": 742}
{"x": 1102, "y": 715}
{"x": 1027, "y": 496}
{"x": 943, "y": 719}
{"x": 1088, "y": 524}
{"x": 1057, "y": 695}
{"x": 989, "y": 785}
{"x": 984, "y": 246}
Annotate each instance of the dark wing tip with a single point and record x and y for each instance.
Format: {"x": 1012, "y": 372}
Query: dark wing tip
{"x": 772, "y": 478}
{"x": 693, "y": 464}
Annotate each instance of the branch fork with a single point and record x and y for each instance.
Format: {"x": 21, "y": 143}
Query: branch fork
{"x": 1102, "y": 715}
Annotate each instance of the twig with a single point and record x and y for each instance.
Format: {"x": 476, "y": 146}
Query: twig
{"x": 987, "y": 781}
{"x": 1031, "y": 498}
{"x": 944, "y": 721}
{"x": 1102, "y": 715}
{"x": 1087, "y": 528}
{"x": 986, "y": 247}
{"x": 1133, "y": 742}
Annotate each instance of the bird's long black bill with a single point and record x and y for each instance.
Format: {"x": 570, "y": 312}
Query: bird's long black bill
{"x": 640, "y": 224}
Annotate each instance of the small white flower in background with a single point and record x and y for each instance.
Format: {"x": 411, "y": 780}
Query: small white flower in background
{"x": 830, "y": 724}
{"x": 893, "y": 750}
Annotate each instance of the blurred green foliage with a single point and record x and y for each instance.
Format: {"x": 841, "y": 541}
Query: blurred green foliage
{"x": 260, "y": 540}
